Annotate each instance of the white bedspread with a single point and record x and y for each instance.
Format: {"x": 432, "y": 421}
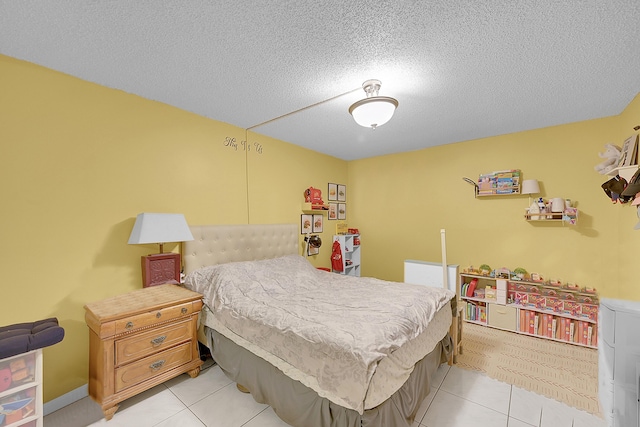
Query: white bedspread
{"x": 333, "y": 328}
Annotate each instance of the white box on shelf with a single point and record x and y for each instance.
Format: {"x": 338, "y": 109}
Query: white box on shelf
{"x": 501, "y": 297}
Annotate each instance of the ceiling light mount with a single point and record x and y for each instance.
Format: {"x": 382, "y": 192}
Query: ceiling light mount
{"x": 373, "y": 111}
{"x": 371, "y": 87}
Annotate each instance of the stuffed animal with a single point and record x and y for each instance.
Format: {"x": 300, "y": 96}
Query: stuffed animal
{"x": 612, "y": 156}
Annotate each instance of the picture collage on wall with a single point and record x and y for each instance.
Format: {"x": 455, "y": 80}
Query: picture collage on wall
{"x": 337, "y": 202}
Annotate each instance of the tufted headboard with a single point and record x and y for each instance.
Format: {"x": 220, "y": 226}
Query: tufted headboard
{"x": 218, "y": 244}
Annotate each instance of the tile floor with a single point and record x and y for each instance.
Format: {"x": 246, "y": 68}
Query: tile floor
{"x": 459, "y": 398}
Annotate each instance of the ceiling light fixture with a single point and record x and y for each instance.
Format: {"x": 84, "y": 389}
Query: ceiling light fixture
{"x": 374, "y": 110}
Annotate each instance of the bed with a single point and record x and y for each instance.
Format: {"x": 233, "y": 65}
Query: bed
{"x": 322, "y": 349}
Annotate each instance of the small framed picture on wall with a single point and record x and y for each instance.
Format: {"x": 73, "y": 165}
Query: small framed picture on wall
{"x": 306, "y": 224}
{"x": 333, "y": 192}
{"x": 317, "y": 223}
{"x": 342, "y": 211}
{"x": 333, "y": 211}
{"x": 342, "y": 193}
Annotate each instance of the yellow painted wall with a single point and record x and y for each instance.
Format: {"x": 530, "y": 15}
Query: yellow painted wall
{"x": 274, "y": 176}
{"x": 80, "y": 161}
{"x": 400, "y": 203}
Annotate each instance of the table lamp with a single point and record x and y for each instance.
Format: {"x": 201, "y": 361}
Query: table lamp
{"x": 530, "y": 186}
{"x": 160, "y": 228}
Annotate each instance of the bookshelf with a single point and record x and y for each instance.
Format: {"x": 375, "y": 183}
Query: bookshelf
{"x": 534, "y": 308}
{"x": 350, "y": 248}
{"x": 499, "y": 183}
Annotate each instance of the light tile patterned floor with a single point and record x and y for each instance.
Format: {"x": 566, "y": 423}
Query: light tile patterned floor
{"x": 459, "y": 398}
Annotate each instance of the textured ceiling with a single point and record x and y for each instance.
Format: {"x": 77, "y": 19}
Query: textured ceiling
{"x": 460, "y": 70}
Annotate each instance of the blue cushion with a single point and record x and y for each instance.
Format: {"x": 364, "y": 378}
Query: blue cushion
{"x": 25, "y": 337}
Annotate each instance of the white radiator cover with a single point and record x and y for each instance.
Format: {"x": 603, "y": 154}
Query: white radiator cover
{"x": 430, "y": 274}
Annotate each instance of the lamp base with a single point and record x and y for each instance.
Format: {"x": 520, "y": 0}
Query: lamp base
{"x": 160, "y": 269}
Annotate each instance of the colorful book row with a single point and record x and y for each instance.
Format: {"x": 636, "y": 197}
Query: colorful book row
{"x": 560, "y": 328}
{"x": 501, "y": 182}
{"x": 469, "y": 289}
{"x": 476, "y": 312}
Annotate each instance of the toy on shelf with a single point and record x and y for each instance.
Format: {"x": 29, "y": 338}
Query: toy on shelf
{"x": 611, "y": 158}
{"x": 314, "y": 196}
{"x": 470, "y": 270}
{"x": 535, "y": 277}
{"x": 555, "y": 282}
{"x": 502, "y": 273}
{"x": 519, "y": 273}
{"x": 484, "y": 270}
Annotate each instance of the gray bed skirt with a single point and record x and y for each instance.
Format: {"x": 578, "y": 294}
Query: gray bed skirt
{"x": 300, "y": 406}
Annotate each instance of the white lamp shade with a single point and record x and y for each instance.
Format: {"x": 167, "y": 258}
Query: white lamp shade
{"x": 530, "y": 186}
{"x": 373, "y": 112}
{"x": 160, "y": 228}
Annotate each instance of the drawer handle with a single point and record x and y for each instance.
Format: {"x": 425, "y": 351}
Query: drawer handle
{"x": 159, "y": 340}
{"x": 158, "y": 315}
{"x": 184, "y": 310}
{"x": 156, "y": 365}
{"x": 129, "y": 325}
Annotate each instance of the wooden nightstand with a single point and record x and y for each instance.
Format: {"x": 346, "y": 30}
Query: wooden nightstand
{"x": 139, "y": 340}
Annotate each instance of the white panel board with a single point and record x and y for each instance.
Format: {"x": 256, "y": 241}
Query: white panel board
{"x": 429, "y": 274}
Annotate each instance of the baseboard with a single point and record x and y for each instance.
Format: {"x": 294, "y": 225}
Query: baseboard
{"x": 66, "y": 399}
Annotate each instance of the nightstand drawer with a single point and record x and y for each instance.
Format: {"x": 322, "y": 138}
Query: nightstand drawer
{"x": 140, "y": 345}
{"x": 147, "y": 319}
{"x": 152, "y": 366}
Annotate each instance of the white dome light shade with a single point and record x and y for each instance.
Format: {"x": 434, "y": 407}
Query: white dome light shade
{"x": 374, "y": 110}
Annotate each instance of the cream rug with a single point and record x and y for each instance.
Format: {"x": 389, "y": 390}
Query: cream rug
{"x": 564, "y": 372}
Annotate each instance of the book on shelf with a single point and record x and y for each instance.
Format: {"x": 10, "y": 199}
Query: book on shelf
{"x": 572, "y": 330}
{"x": 471, "y": 311}
{"x": 567, "y": 329}
{"x": 578, "y": 337}
{"x": 554, "y": 328}
{"x": 530, "y": 321}
{"x": 472, "y": 287}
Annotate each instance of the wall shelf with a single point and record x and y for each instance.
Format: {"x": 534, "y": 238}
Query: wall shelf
{"x": 499, "y": 183}
{"x": 569, "y": 216}
{"x": 625, "y": 172}
{"x": 515, "y": 191}
{"x": 308, "y": 209}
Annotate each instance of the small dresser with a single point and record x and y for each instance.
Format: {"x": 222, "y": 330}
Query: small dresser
{"x": 139, "y": 340}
